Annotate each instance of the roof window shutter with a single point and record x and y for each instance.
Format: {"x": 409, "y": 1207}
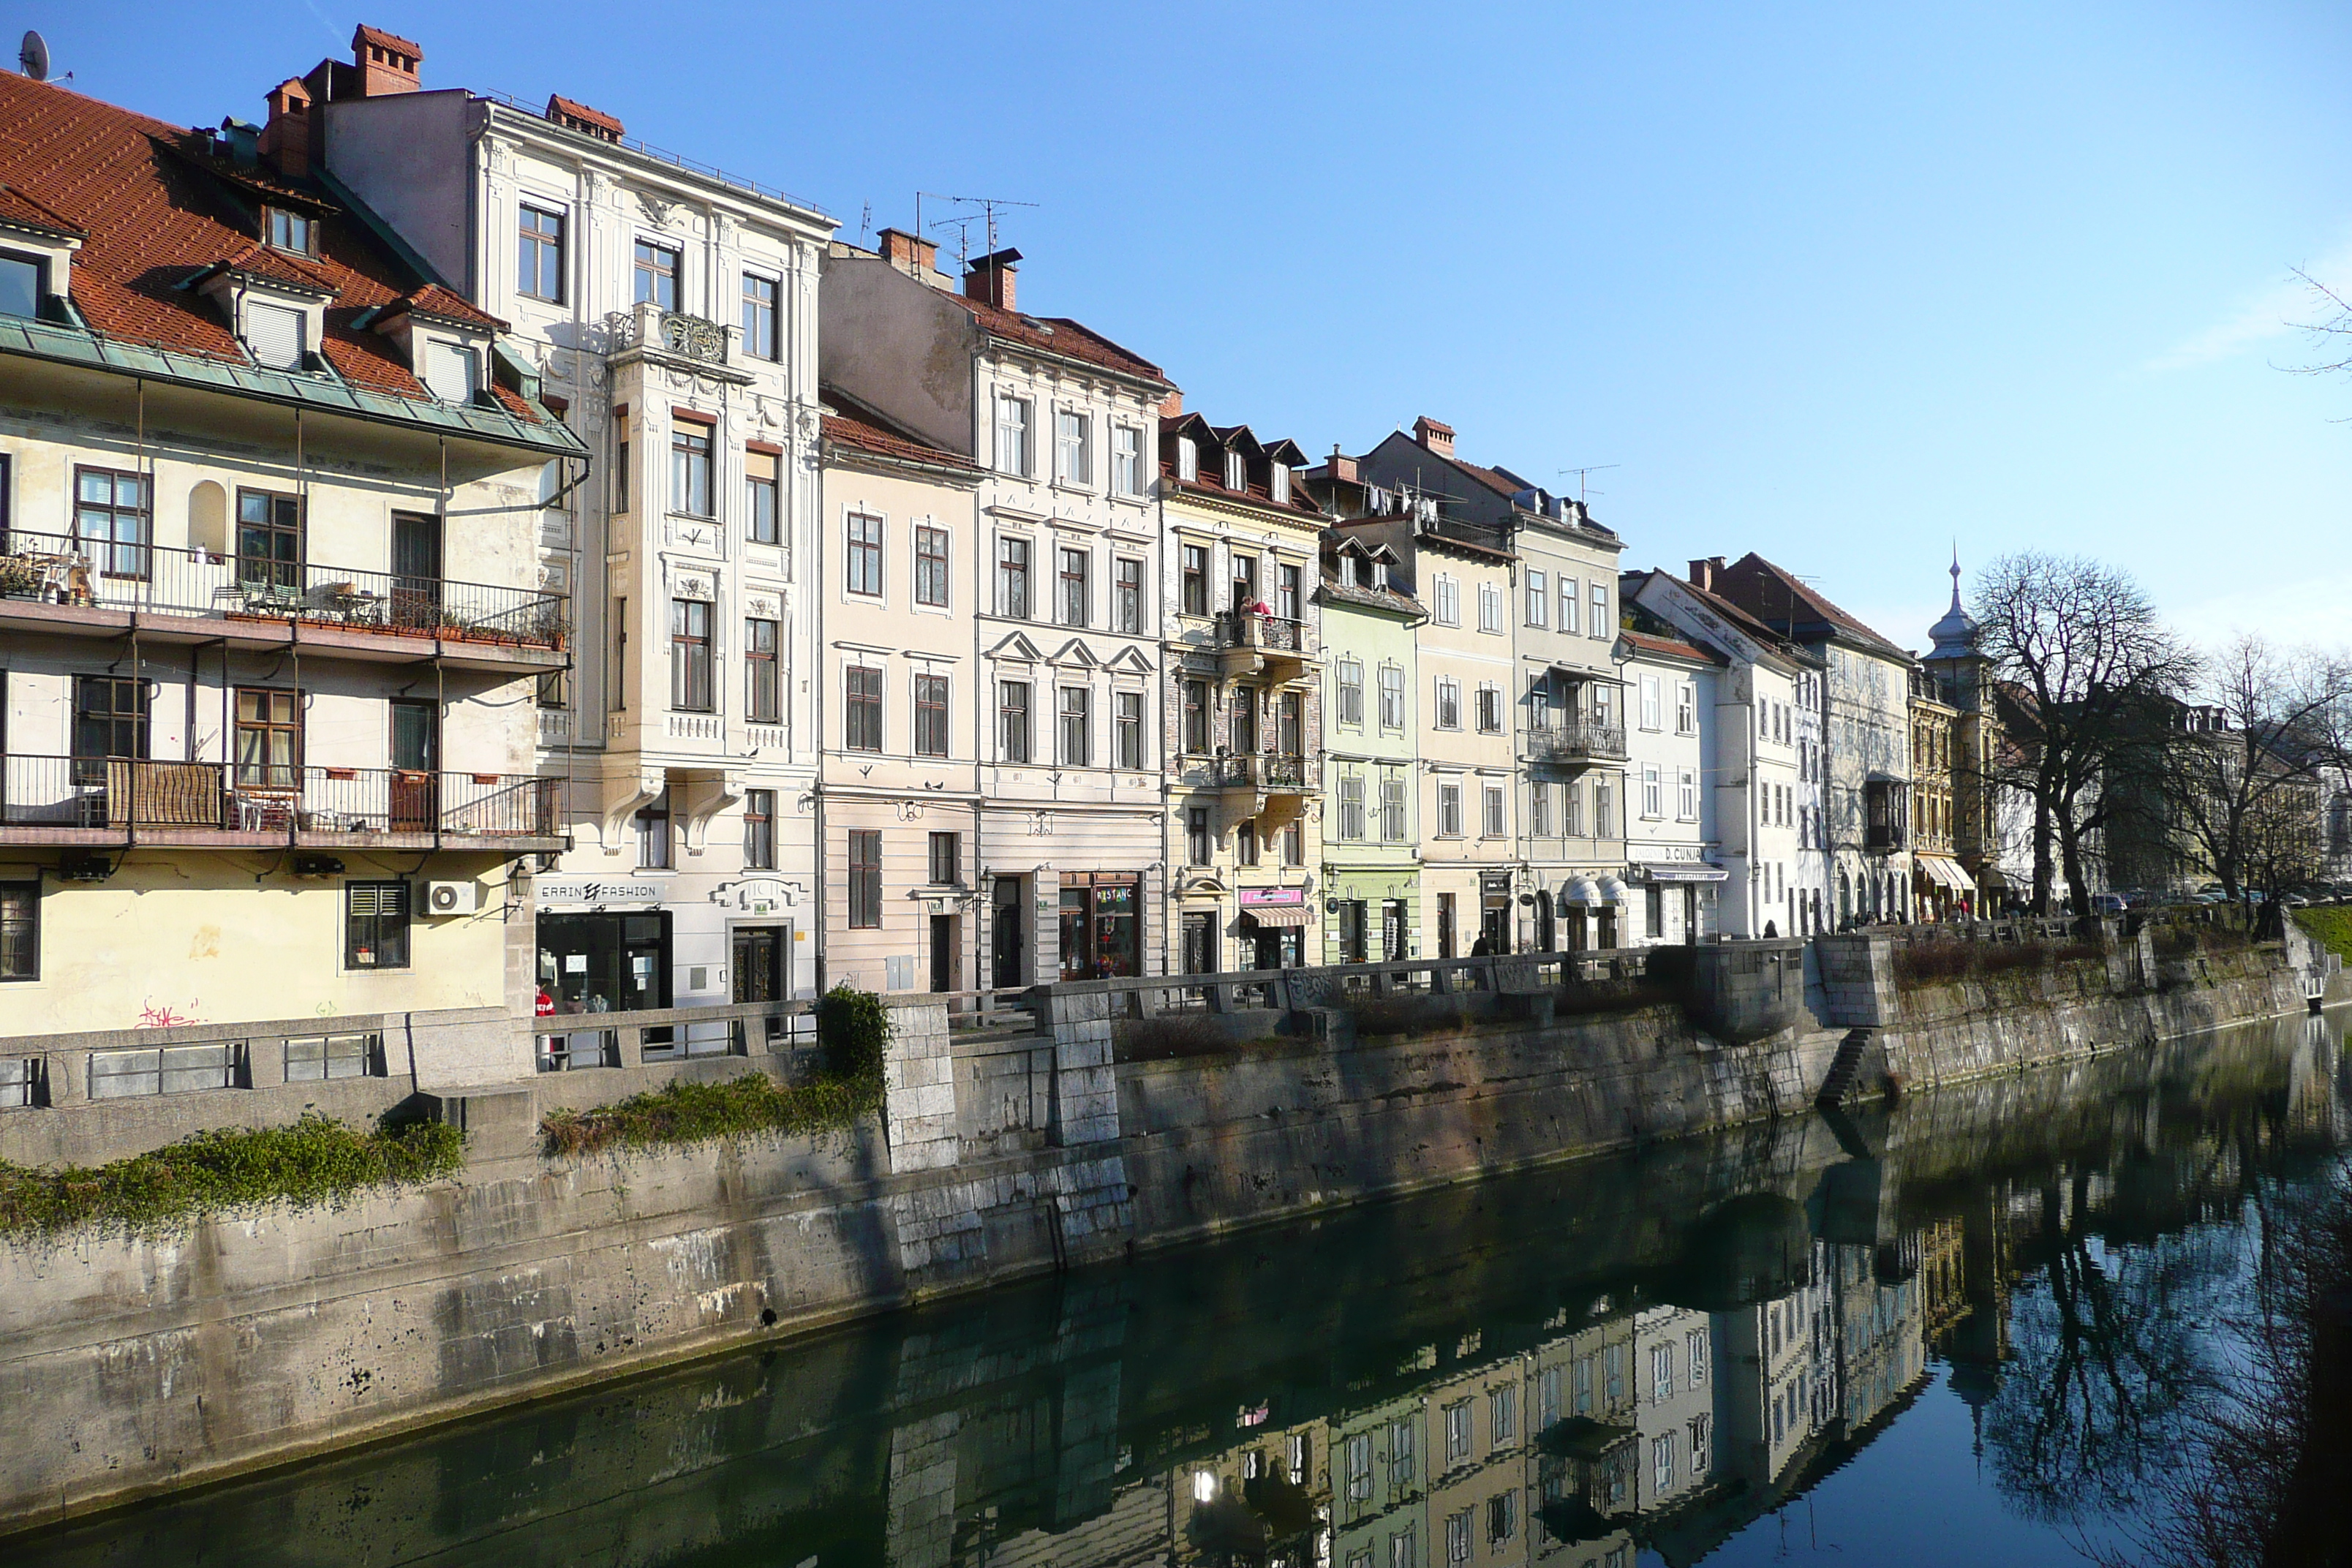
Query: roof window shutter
{"x": 274, "y": 335}
{"x": 449, "y": 371}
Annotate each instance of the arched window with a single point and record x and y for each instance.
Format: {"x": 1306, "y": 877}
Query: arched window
{"x": 1846, "y": 899}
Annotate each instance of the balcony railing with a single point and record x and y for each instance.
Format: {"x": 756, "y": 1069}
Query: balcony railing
{"x": 1269, "y": 773}
{"x": 61, "y": 569}
{"x": 298, "y": 803}
{"x": 1577, "y": 741}
{"x": 1276, "y": 634}
{"x": 647, "y": 326}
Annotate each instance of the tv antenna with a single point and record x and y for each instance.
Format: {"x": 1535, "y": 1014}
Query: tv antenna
{"x": 988, "y": 208}
{"x": 33, "y": 57}
{"x": 1589, "y": 469}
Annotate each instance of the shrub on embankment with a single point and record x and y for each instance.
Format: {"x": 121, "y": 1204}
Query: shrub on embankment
{"x": 733, "y": 1107}
{"x": 853, "y": 1031}
{"x": 316, "y": 1161}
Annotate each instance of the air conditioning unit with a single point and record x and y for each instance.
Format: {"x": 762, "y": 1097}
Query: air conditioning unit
{"x": 453, "y": 897}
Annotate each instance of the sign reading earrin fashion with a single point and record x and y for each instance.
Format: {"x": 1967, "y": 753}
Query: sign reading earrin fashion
{"x": 554, "y": 890}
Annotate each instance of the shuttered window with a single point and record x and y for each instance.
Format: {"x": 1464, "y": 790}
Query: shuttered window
{"x": 275, "y": 334}
{"x": 450, "y": 371}
{"x": 375, "y": 925}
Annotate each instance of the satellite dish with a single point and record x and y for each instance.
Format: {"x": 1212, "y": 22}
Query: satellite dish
{"x": 34, "y": 56}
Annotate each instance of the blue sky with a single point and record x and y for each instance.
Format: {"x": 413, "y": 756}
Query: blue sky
{"x": 1840, "y": 283}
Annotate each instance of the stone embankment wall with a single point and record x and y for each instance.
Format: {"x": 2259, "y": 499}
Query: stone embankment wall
{"x": 136, "y": 1364}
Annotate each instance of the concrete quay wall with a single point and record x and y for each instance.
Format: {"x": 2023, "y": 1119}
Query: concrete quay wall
{"x": 139, "y": 1364}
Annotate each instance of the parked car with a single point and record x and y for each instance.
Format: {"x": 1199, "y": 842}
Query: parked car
{"x": 2109, "y": 903}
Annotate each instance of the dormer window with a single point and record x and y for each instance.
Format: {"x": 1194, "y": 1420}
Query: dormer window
{"x": 1347, "y": 570}
{"x": 1281, "y": 485}
{"x": 276, "y": 335}
{"x": 1237, "y": 471}
{"x": 452, "y": 371}
{"x": 1188, "y": 459}
{"x": 24, "y": 280}
{"x": 284, "y": 230}
{"x": 1379, "y": 574}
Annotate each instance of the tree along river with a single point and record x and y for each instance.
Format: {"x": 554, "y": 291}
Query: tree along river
{"x": 2100, "y": 1313}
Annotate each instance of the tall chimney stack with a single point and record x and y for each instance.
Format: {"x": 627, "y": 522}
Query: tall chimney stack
{"x": 286, "y": 137}
{"x": 990, "y": 278}
{"x": 1438, "y": 438}
{"x": 387, "y": 62}
{"x": 1702, "y": 572}
{"x": 909, "y": 253}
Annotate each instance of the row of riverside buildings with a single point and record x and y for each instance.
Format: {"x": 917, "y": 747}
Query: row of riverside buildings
{"x": 459, "y": 561}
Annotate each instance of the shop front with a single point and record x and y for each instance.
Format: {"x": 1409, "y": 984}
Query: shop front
{"x": 1274, "y": 922}
{"x": 1677, "y": 899}
{"x": 1102, "y": 926}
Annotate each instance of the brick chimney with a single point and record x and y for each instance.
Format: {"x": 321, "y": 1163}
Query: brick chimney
{"x": 1702, "y": 572}
{"x": 1438, "y": 438}
{"x": 386, "y": 62}
{"x": 1173, "y": 406}
{"x": 1342, "y": 468}
{"x": 286, "y": 139}
{"x": 990, "y": 279}
{"x": 909, "y": 253}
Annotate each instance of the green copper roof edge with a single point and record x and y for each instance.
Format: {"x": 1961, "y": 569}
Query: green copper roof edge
{"x": 62, "y": 346}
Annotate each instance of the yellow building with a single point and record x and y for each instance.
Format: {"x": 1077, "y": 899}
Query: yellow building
{"x": 269, "y": 623}
{"x": 1244, "y": 663}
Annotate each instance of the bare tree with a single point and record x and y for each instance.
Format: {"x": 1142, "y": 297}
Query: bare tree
{"x": 2088, "y": 668}
{"x": 2330, "y": 333}
{"x": 2245, "y": 786}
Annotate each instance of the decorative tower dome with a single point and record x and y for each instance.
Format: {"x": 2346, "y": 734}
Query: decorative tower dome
{"x": 1956, "y": 634}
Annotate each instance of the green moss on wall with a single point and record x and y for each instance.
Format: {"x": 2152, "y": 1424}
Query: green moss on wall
{"x": 692, "y": 1112}
{"x": 316, "y": 1161}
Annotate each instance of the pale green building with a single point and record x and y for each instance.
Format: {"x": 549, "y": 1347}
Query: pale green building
{"x": 1370, "y": 882}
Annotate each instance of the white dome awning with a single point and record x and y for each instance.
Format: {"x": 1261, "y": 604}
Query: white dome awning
{"x": 1614, "y": 891}
{"x": 1578, "y": 891}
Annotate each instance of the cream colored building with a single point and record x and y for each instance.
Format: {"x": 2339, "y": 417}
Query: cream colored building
{"x": 898, "y": 790}
{"x": 674, "y": 312}
{"x": 269, "y": 623}
{"x": 1065, "y": 571}
{"x": 1242, "y": 653}
{"x": 1462, "y": 576}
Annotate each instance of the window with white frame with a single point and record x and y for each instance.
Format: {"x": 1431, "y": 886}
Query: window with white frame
{"x": 1686, "y": 709}
{"x": 1013, "y": 435}
{"x": 1568, "y": 620}
{"x": 1652, "y": 807}
{"x": 1073, "y": 458}
{"x": 1601, "y": 625}
{"x": 862, "y": 554}
{"x": 1074, "y": 597}
{"x": 1449, "y": 703}
{"x": 1490, "y": 708}
{"x": 279, "y": 338}
{"x": 1392, "y": 696}
{"x": 1188, "y": 459}
{"x": 1539, "y": 598}
{"x": 1495, "y": 818}
{"x": 1651, "y": 715}
{"x": 1449, "y": 810}
{"x": 1012, "y": 576}
{"x": 1490, "y": 606}
{"x": 1572, "y": 809}
{"x": 1347, "y": 570}
{"x": 1126, "y": 460}
{"x": 1352, "y": 806}
{"x": 1392, "y": 807}
{"x": 1448, "y": 610}
{"x": 453, "y": 371}
{"x": 930, "y": 565}
{"x": 1129, "y": 720}
{"x": 1686, "y": 794}
{"x": 1351, "y": 692}
{"x": 1237, "y": 472}
{"x": 1604, "y": 809}
{"x": 1278, "y": 484}
{"x": 1078, "y": 726}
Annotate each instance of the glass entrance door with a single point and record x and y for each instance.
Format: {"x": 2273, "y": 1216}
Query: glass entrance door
{"x": 415, "y": 761}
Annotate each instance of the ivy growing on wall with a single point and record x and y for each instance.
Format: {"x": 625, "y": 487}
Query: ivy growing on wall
{"x": 692, "y": 1112}
{"x": 853, "y": 1030}
{"x": 316, "y": 1161}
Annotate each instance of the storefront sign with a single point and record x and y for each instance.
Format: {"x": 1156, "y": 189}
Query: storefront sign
{"x": 551, "y": 891}
{"x": 757, "y": 895}
{"x": 1273, "y": 896}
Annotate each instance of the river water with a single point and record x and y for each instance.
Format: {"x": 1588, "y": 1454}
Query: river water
{"x": 2092, "y": 1313}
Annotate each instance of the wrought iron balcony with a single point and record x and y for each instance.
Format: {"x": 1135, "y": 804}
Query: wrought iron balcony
{"x": 1248, "y": 642}
{"x": 667, "y": 332}
{"x": 1268, "y": 772}
{"x": 70, "y": 572}
{"x": 1576, "y": 741}
{"x": 110, "y": 800}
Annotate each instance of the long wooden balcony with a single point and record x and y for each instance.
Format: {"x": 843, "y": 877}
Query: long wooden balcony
{"x": 113, "y": 801}
{"x": 62, "y": 585}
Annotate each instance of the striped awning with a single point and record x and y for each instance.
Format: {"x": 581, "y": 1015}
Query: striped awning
{"x": 1281, "y": 914}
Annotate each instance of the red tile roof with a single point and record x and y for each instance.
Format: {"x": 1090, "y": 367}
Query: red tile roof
{"x": 382, "y": 39}
{"x": 853, "y": 425}
{"x": 1059, "y": 335}
{"x": 560, "y": 108}
{"x": 1670, "y": 648}
{"x": 431, "y": 299}
{"x": 18, "y": 209}
{"x": 257, "y": 260}
{"x": 144, "y": 194}
{"x": 1768, "y": 593}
